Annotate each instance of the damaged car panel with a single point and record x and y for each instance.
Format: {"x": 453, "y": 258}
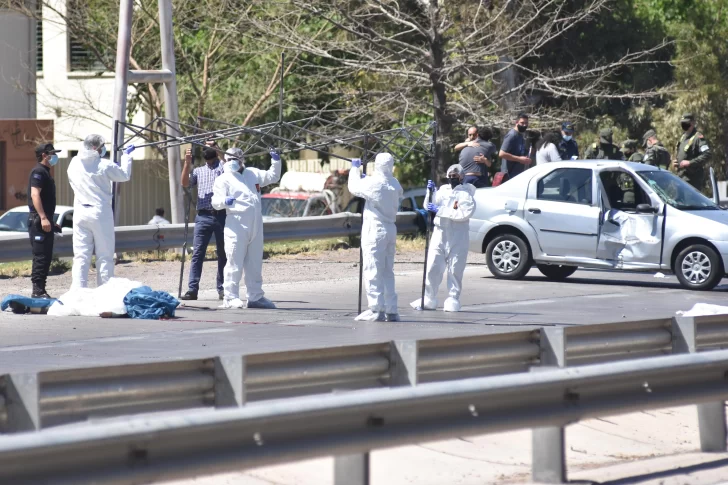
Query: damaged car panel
{"x": 601, "y": 214}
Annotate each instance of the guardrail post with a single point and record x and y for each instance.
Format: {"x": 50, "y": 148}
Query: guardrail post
{"x": 22, "y": 402}
{"x": 354, "y": 469}
{"x": 711, "y": 416}
{"x": 229, "y": 378}
{"x": 548, "y": 451}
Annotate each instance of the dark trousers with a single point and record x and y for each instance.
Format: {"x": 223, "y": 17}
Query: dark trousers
{"x": 41, "y": 244}
{"x": 478, "y": 181}
{"x": 207, "y": 223}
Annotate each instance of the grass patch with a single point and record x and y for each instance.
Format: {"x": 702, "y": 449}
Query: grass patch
{"x": 17, "y": 269}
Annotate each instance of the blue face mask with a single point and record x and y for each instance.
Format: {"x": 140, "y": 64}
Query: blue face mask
{"x": 53, "y": 160}
{"x": 567, "y": 137}
{"x": 234, "y": 165}
{"x": 103, "y": 151}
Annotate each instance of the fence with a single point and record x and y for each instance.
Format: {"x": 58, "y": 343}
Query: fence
{"x": 151, "y": 237}
{"x": 46, "y": 399}
{"x": 180, "y": 445}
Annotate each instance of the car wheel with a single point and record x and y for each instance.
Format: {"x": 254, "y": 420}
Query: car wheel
{"x": 508, "y": 257}
{"x": 556, "y": 272}
{"x": 698, "y": 267}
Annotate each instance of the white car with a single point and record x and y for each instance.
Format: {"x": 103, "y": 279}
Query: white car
{"x": 601, "y": 214}
{"x": 16, "y": 219}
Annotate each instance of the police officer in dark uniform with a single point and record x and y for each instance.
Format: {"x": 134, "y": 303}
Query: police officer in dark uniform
{"x": 655, "y": 152}
{"x": 693, "y": 154}
{"x": 41, "y": 225}
{"x": 568, "y": 148}
{"x": 629, "y": 149}
{"x": 605, "y": 149}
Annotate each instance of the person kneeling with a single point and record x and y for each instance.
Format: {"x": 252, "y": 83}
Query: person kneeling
{"x": 454, "y": 205}
{"x": 238, "y": 191}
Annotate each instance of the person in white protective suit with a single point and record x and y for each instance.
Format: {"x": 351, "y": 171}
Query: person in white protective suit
{"x": 238, "y": 191}
{"x": 91, "y": 177}
{"x": 454, "y": 205}
{"x": 382, "y": 193}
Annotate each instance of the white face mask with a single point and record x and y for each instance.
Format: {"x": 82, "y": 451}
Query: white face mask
{"x": 567, "y": 137}
{"x": 103, "y": 151}
{"x": 232, "y": 165}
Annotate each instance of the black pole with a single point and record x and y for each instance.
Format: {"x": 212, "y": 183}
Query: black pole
{"x": 361, "y": 251}
{"x": 188, "y": 204}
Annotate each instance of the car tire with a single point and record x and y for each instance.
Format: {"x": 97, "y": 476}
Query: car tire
{"x": 508, "y": 257}
{"x": 556, "y": 272}
{"x": 698, "y": 267}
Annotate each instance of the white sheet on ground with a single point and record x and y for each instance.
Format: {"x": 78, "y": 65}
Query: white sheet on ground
{"x": 106, "y": 300}
{"x": 704, "y": 309}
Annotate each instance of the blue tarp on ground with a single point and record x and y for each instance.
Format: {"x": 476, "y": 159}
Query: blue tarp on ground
{"x": 145, "y": 303}
{"x": 25, "y": 304}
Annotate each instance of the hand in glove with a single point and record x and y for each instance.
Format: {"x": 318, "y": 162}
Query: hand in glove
{"x": 356, "y": 162}
{"x": 274, "y": 155}
{"x": 129, "y": 149}
{"x": 229, "y": 200}
{"x": 432, "y": 208}
{"x": 430, "y": 185}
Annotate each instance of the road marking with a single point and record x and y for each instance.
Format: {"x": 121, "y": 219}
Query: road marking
{"x": 209, "y": 330}
{"x": 508, "y": 304}
{"x": 120, "y": 339}
{"x": 36, "y": 347}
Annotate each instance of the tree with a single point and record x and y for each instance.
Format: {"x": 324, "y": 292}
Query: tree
{"x": 455, "y": 61}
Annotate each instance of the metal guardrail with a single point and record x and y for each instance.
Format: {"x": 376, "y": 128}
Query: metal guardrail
{"x": 162, "y": 237}
{"x": 179, "y": 445}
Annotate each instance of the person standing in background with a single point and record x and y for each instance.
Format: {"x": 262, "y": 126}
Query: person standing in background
{"x": 514, "y": 158}
{"x": 476, "y": 157}
{"x": 693, "y": 154}
{"x": 158, "y": 217}
{"x": 568, "y": 148}
{"x": 41, "y": 223}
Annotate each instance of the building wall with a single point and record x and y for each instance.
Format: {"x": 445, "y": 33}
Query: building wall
{"x": 18, "y": 139}
{"x": 17, "y": 56}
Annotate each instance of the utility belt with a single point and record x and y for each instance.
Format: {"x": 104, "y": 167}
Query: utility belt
{"x": 210, "y": 212}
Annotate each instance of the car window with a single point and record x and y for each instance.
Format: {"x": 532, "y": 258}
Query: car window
{"x": 567, "y": 185}
{"x": 420, "y": 201}
{"x": 676, "y": 192}
{"x": 273, "y": 207}
{"x": 622, "y": 191}
{"x": 406, "y": 205}
{"x": 318, "y": 207}
{"x": 14, "y": 221}
{"x": 68, "y": 220}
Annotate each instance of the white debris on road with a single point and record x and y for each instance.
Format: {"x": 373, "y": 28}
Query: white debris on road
{"x": 700, "y": 309}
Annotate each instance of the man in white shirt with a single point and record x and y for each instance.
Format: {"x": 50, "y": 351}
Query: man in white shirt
{"x": 158, "y": 218}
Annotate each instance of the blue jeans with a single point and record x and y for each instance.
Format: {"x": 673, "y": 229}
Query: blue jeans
{"x": 478, "y": 182}
{"x": 207, "y": 224}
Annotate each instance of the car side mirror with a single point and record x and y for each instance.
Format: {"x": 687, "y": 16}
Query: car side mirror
{"x": 646, "y": 209}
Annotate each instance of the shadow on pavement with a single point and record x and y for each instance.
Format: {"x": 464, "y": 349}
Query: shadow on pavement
{"x": 686, "y": 470}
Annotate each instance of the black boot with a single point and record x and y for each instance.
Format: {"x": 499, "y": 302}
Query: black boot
{"x": 39, "y": 292}
{"x": 190, "y": 295}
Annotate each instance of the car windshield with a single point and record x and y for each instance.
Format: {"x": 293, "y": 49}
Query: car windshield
{"x": 283, "y": 207}
{"x": 676, "y": 192}
{"x": 17, "y": 221}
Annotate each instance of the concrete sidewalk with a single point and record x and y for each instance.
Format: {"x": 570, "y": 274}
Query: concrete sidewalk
{"x": 653, "y": 447}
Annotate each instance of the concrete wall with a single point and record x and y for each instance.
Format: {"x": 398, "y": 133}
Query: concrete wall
{"x": 18, "y": 139}
{"x": 17, "y": 56}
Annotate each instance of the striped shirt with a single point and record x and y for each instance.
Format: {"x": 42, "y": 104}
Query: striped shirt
{"x": 204, "y": 178}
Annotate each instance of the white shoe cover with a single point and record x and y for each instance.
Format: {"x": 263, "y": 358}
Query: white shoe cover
{"x": 429, "y": 304}
{"x": 452, "y": 305}
{"x": 263, "y": 303}
{"x": 370, "y": 316}
{"x": 234, "y": 303}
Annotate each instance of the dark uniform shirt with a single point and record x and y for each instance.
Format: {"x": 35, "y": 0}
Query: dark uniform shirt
{"x": 568, "y": 149}
{"x": 636, "y": 157}
{"x": 657, "y": 156}
{"x": 40, "y": 177}
{"x": 693, "y": 147}
{"x": 602, "y": 151}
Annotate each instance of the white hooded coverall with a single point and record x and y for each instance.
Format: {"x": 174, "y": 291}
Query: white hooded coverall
{"x": 382, "y": 193}
{"x": 243, "y": 227}
{"x": 449, "y": 245}
{"x": 91, "y": 179}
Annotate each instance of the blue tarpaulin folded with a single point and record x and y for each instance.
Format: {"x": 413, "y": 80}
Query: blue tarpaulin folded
{"x": 25, "y": 304}
{"x": 145, "y": 303}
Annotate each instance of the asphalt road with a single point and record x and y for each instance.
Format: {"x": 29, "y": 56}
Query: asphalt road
{"x": 321, "y": 314}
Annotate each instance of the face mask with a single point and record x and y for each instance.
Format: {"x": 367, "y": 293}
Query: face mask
{"x": 454, "y": 181}
{"x": 53, "y": 160}
{"x": 103, "y": 151}
{"x": 567, "y": 137}
{"x": 685, "y": 126}
{"x": 521, "y": 128}
{"x": 234, "y": 165}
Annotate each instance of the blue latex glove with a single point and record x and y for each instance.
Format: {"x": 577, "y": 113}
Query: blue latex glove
{"x": 432, "y": 207}
{"x": 129, "y": 149}
{"x": 431, "y": 185}
{"x": 356, "y": 162}
{"x": 274, "y": 155}
{"x": 230, "y": 201}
